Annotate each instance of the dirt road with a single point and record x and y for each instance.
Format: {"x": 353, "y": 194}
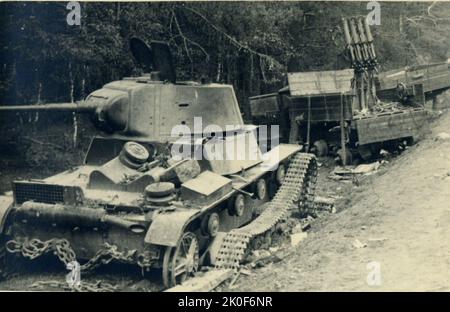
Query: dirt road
{"x": 401, "y": 214}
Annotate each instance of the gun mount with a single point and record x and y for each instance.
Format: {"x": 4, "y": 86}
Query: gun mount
{"x": 142, "y": 107}
{"x": 340, "y": 112}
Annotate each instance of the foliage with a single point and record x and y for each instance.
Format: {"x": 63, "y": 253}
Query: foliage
{"x": 249, "y": 45}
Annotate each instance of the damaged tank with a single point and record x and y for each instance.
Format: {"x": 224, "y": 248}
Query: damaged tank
{"x": 142, "y": 196}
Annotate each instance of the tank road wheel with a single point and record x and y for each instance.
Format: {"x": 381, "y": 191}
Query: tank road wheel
{"x": 238, "y": 206}
{"x": 182, "y": 261}
{"x": 281, "y": 172}
{"x": 261, "y": 189}
{"x": 213, "y": 224}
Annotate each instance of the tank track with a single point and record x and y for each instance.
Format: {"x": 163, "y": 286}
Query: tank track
{"x": 296, "y": 191}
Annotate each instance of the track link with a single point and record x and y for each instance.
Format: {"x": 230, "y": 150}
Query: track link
{"x": 296, "y": 192}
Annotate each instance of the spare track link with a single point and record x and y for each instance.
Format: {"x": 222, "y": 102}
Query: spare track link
{"x": 296, "y": 191}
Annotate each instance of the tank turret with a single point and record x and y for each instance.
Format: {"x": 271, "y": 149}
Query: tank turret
{"x": 150, "y": 106}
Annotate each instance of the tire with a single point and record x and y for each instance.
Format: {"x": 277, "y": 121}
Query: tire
{"x": 320, "y": 148}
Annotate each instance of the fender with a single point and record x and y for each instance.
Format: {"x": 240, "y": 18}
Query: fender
{"x": 168, "y": 226}
{"x": 6, "y": 203}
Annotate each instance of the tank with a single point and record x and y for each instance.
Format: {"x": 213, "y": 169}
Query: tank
{"x": 161, "y": 186}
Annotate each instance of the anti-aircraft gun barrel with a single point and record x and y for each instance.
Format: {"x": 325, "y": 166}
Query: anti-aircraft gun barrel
{"x": 80, "y": 107}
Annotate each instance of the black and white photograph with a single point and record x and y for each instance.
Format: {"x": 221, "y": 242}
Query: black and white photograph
{"x": 225, "y": 147}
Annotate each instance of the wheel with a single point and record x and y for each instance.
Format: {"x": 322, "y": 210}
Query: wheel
{"x": 237, "y": 206}
{"x": 348, "y": 156}
{"x": 182, "y": 261}
{"x": 261, "y": 189}
{"x": 213, "y": 224}
{"x": 320, "y": 148}
{"x": 281, "y": 172}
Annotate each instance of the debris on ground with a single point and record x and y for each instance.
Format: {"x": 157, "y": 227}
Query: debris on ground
{"x": 300, "y": 225}
{"x": 206, "y": 282}
{"x": 233, "y": 280}
{"x": 366, "y": 168}
{"x": 324, "y": 204}
{"x": 442, "y": 136}
{"x": 244, "y": 271}
{"x": 341, "y": 171}
{"x": 349, "y": 173}
{"x": 358, "y": 245}
{"x": 142, "y": 285}
{"x": 259, "y": 254}
{"x": 341, "y": 174}
{"x": 341, "y": 178}
{"x": 376, "y": 240}
{"x": 298, "y": 228}
{"x": 273, "y": 249}
{"x": 262, "y": 257}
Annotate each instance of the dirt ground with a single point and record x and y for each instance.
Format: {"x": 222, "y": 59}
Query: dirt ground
{"x": 400, "y": 214}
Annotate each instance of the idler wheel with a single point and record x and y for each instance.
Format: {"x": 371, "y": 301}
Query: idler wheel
{"x": 159, "y": 189}
{"x": 133, "y": 155}
{"x": 182, "y": 261}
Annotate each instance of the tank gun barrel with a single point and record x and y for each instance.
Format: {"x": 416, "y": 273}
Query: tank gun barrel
{"x": 81, "y": 107}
